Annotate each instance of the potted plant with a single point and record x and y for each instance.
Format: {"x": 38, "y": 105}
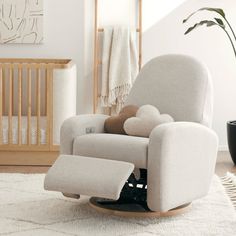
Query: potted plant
{"x": 221, "y": 22}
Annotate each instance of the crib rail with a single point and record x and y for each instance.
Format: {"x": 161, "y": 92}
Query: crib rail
{"x": 26, "y": 103}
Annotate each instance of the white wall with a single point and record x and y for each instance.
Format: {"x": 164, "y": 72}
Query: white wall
{"x": 63, "y": 38}
{"x": 155, "y": 10}
{"x": 164, "y": 33}
{"x": 69, "y": 34}
{"x": 113, "y": 12}
{"x": 209, "y": 45}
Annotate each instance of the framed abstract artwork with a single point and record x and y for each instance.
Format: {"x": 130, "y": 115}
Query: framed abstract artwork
{"x": 21, "y": 21}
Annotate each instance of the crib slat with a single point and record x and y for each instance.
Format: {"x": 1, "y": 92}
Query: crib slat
{"x": 29, "y": 105}
{"x": 38, "y": 92}
{"x": 49, "y": 106}
{"x": 10, "y": 104}
{"x": 19, "y": 102}
{"x": 12, "y": 85}
{"x": 3, "y": 90}
{"x": 45, "y": 90}
{"x": 1, "y": 103}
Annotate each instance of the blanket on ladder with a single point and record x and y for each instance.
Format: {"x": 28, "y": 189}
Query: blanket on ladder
{"x": 119, "y": 65}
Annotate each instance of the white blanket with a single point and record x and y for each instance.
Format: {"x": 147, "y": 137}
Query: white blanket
{"x": 119, "y": 65}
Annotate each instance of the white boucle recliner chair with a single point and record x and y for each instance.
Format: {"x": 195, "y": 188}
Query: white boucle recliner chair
{"x": 176, "y": 162}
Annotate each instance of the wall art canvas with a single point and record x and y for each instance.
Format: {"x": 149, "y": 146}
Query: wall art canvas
{"x": 21, "y": 21}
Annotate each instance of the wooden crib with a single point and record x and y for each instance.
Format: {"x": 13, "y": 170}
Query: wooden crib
{"x": 36, "y": 96}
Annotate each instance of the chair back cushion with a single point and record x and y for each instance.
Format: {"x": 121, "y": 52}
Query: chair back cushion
{"x": 178, "y": 85}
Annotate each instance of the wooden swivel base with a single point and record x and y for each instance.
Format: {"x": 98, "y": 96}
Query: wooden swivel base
{"x": 132, "y": 209}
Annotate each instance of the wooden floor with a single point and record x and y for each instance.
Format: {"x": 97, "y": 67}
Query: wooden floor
{"x": 224, "y": 164}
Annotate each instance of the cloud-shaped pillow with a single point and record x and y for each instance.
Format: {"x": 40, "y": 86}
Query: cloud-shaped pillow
{"x": 147, "y": 118}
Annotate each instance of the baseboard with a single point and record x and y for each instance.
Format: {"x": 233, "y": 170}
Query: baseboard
{"x": 30, "y": 158}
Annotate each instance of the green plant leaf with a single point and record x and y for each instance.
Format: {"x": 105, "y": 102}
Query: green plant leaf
{"x": 220, "y": 22}
{"x": 217, "y": 10}
{"x": 208, "y": 23}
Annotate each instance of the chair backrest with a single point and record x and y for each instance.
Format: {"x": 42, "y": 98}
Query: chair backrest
{"x": 178, "y": 85}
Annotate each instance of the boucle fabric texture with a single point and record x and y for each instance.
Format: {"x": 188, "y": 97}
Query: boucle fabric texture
{"x": 26, "y": 209}
{"x": 113, "y": 147}
{"x": 147, "y": 118}
{"x": 178, "y": 85}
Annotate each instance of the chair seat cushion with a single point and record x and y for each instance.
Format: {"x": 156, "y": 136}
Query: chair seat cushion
{"x": 114, "y": 147}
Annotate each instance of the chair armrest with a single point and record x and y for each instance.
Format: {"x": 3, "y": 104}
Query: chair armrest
{"x": 76, "y": 126}
{"x": 181, "y": 163}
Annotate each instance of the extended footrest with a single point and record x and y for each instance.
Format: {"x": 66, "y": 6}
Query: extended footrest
{"x": 88, "y": 176}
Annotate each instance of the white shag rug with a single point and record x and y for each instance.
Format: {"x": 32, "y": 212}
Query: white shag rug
{"x": 27, "y": 210}
{"x": 229, "y": 182}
